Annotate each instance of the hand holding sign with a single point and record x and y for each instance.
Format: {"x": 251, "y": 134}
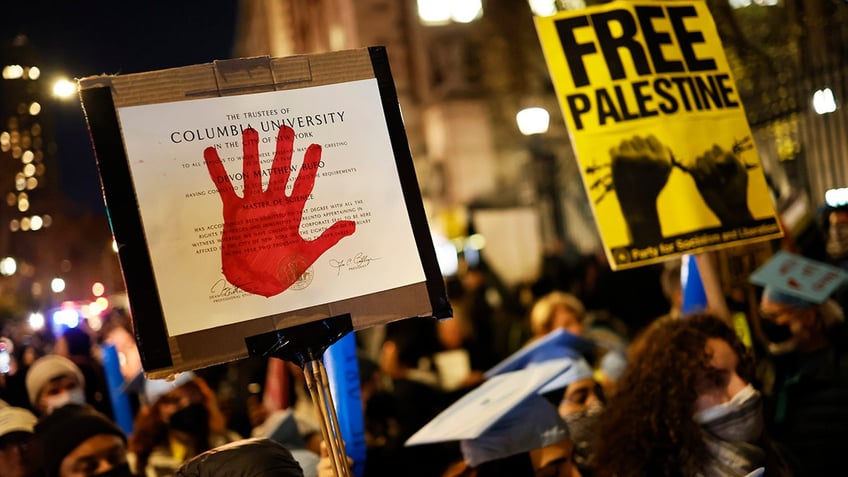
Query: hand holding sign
{"x": 722, "y": 180}
{"x": 262, "y": 251}
{"x": 640, "y": 170}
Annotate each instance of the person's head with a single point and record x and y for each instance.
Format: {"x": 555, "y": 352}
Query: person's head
{"x": 17, "y": 456}
{"x": 259, "y": 457}
{"x": 78, "y": 441}
{"x": 53, "y": 381}
{"x": 790, "y": 323}
{"x": 73, "y": 342}
{"x": 557, "y": 310}
{"x": 580, "y": 406}
{"x": 677, "y": 369}
{"x": 186, "y": 416}
{"x": 837, "y": 232}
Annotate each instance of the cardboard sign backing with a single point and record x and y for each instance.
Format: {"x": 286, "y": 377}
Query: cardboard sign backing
{"x": 256, "y": 194}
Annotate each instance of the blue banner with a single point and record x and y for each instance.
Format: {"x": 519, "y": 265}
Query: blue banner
{"x": 694, "y": 295}
{"x": 115, "y": 381}
{"x": 343, "y": 371}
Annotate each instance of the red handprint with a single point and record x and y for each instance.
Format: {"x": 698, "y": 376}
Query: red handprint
{"x": 262, "y": 251}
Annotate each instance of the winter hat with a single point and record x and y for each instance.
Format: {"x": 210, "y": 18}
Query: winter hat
{"x": 46, "y": 369}
{"x": 258, "y": 457}
{"x": 16, "y": 419}
{"x": 68, "y": 427}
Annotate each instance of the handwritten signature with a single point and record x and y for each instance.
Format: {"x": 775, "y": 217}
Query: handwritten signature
{"x": 358, "y": 261}
{"x": 223, "y": 289}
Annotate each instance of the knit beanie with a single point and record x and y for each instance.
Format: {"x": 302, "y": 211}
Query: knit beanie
{"x": 68, "y": 427}
{"x": 46, "y": 369}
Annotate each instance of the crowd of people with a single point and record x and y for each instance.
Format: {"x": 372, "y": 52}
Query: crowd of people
{"x": 649, "y": 389}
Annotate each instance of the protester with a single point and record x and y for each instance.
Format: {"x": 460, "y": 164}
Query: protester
{"x": 181, "y": 424}
{"x": 257, "y": 457}
{"x": 580, "y": 407}
{"x": 557, "y": 310}
{"x": 806, "y": 407}
{"x": 685, "y": 406}
{"x": 78, "y": 441}
{"x": 53, "y": 381}
{"x": 75, "y": 344}
{"x": 18, "y": 457}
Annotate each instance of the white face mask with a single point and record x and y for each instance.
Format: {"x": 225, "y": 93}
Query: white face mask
{"x": 737, "y": 420}
{"x": 74, "y": 396}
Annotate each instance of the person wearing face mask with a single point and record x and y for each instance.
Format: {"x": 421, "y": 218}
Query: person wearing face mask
{"x": 806, "y": 404}
{"x": 580, "y": 407}
{"x": 52, "y": 382}
{"x": 78, "y": 441}
{"x": 180, "y": 424}
{"x": 686, "y": 407}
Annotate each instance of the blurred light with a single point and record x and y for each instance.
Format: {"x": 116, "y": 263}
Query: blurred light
{"x": 533, "y": 121}
{"x": 29, "y": 170}
{"x": 97, "y": 289}
{"x": 446, "y": 255}
{"x": 95, "y": 323}
{"x": 36, "y": 321}
{"x": 434, "y": 12}
{"x": 543, "y": 8}
{"x": 739, "y": 3}
{"x": 94, "y": 309}
{"x": 57, "y": 285}
{"x": 466, "y": 11}
{"x": 823, "y": 101}
{"x": 23, "y": 204}
{"x": 34, "y": 108}
{"x": 34, "y": 72}
{"x": 114, "y": 245}
{"x": 36, "y": 222}
{"x": 8, "y": 266}
{"x": 66, "y": 316}
{"x": 36, "y": 289}
{"x": 31, "y": 183}
{"x": 14, "y": 225}
{"x": 477, "y": 242}
{"x": 836, "y": 197}
{"x": 64, "y": 88}
{"x": 5, "y": 138}
{"x": 13, "y": 71}
{"x": 25, "y": 223}
{"x": 102, "y": 302}
{"x": 27, "y": 157}
{"x": 48, "y": 220}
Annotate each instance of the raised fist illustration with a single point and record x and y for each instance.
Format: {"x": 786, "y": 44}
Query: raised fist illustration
{"x": 722, "y": 180}
{"x": 640, "y": 170}
{"x": 262, "y": 251}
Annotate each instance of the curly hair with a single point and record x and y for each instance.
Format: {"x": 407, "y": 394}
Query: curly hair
{"x": 648, "y": 428}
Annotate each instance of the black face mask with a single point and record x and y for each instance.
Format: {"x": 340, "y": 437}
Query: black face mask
{"x": 775, "y": 333}
{"x": 122, "y": 470}
{"x": 192, "y": 419}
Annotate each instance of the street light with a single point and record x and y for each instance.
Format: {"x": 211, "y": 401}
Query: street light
{"x": 64, "y": 88}
{"x": 533, "y": 123}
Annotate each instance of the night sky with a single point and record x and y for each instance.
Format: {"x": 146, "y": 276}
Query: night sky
{"x": 91, "y": 37}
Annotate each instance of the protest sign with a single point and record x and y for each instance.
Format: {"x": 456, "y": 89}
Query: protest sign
{"x": 658, "y": 128}
{"x": 257, "y": 194}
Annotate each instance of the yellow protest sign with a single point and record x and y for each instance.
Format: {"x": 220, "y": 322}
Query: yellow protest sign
{"x": 660, "y": 133}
